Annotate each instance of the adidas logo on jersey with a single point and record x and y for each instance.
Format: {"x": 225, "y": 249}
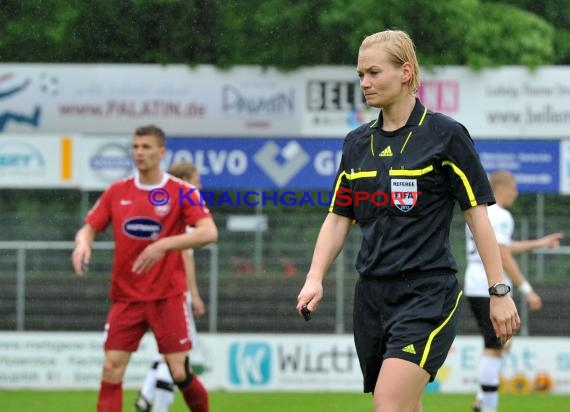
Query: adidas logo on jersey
{"x": 410, "y": 349}
{"x": 387, "y": 152}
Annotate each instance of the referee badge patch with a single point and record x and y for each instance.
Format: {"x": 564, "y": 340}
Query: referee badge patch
{"x": 404, "y": 193}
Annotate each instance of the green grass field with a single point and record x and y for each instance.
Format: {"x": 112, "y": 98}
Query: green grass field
{"x": 79, "y": 401}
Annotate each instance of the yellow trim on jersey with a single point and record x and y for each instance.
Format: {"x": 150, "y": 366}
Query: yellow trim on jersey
{"x": 437, "y": 330}
{"x": 360, "y": 175}
{"x": 336, "y": 186}
{"x": 410, "y": 134}
{"x": 410, "y": 172}
{"x": 349, "y": 176}
{"x": 406, "y": 142}
{"x": 464, "y": 179}
{"x": 423, "y": 116}
{"x": 372, "y": 144}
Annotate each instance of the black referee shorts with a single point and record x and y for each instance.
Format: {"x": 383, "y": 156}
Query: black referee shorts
{"x": 480, "y": 306}
{"x": 407, "y": 317}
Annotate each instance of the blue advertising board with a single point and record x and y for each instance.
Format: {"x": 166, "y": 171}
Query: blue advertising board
{"x": 258, "y": 163}
{"x": 311, "y": 164}
{"x": 535, "y": 163}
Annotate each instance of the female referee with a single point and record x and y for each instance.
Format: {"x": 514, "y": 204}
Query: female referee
{"x": 407, "y": 297}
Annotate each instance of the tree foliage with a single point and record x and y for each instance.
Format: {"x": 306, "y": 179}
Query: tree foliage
{"x": 282, "y": 33}
{"x": 490, "y": 42}
{"x": 557, "y": 13}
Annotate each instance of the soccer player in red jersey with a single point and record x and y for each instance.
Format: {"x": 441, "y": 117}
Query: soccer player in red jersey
{"x": 157, "y": 391}
{"x": 149, "y": 218}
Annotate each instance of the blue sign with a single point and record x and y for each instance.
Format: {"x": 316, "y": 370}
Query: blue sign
{"x": 257, "y": 163}
{"x": 535, "y": 163}
{"x": 250, "y": 363}
{"x": 311, "y": 163}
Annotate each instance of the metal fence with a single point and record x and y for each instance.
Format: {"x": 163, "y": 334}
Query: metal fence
{"x": 249, "y": 280}
{"x": 41, "y": 293}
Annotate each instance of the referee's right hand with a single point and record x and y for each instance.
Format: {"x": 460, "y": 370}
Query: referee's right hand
{"x": 310, "y": 295}
{"x": 504, "y": 316}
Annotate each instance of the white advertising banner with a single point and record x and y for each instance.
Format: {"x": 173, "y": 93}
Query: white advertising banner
{"x": 334, "y": 103}
{"x": 103, "y": 160}
{"x": 27, "y": 161}
{"x": 510, "y": 102}
{"x": 111, "y": 99}
{"x": 527, "y": 359}
{"x": 250, "y": 101}
{"x": 244, "y": 362}
{"x": 73, "y": 360}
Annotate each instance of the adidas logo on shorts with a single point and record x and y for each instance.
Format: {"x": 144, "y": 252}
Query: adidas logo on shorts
{"x": 410, "y": 349}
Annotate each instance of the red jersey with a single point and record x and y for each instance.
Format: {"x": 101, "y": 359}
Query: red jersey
{"x": 137, "y": 222}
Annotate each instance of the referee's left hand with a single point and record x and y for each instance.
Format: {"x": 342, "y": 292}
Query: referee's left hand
{"x": 504, "y": 317}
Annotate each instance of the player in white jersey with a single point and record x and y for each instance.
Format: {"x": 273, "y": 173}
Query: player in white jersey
{"x": 157, "y": 391}
{"x": 477, "y": 290}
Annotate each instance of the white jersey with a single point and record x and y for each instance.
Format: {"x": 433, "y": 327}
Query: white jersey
{"x": 475, "y": 278}
{"x": 191, "y": 321}
{"x": 190, "y": 229}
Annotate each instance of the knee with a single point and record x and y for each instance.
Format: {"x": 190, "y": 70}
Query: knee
{"x": 113, "y": 370}
{"x": 387, "y": 404}
{"x": 381, "y": 404}
{"x": 178, "y": 373}
{"x": 181, "y": 371}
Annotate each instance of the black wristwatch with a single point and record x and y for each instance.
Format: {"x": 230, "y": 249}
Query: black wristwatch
{"x": 499, "y": 289}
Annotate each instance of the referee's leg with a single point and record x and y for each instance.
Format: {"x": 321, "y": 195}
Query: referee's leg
{"x": 399, "y": 386}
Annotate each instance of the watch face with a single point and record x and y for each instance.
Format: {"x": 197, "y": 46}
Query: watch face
{"x": 500, "y": 289}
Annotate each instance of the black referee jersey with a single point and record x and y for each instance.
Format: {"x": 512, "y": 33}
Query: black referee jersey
{"x": 401, "y": 188}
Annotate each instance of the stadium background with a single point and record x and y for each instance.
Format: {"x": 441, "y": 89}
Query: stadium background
{"x": 257, "y": 272}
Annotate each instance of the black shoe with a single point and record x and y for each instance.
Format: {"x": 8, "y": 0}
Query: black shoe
{"x": 142, "y": 404}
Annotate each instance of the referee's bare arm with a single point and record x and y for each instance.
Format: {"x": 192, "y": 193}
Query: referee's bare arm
{"x": 504, "y": 315}
{"x": 330, "y": 242}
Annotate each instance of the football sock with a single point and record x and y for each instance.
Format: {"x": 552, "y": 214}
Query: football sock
{"x": 110, "y": 397}
{"x": 489, "y": 372}
{"x": 195, "y": 395}
{"x": 164, "y": 391}
{"x": 149, "y": 384}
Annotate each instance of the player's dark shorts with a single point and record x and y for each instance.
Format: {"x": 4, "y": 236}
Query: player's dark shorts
{"x": 480, "y": 306}
{"x": 168, "y": 319}
{"x": 407, "y": 317}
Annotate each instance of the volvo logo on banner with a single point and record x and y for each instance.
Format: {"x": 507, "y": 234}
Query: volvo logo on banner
{"x": 112, "y": 161}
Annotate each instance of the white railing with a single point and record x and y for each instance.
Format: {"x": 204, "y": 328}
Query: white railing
{"x": 21, "y": 248}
